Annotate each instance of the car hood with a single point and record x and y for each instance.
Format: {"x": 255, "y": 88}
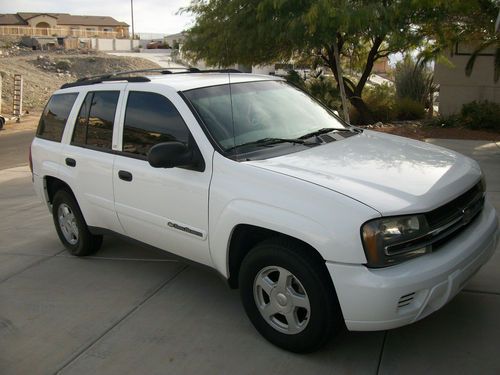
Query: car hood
{"x": 391, "y": 174}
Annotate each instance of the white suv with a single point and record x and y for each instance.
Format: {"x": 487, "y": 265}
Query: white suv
{"x": 316, "y": 222}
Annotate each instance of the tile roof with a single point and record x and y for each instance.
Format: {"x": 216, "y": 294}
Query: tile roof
{"x": 62, "y": 19}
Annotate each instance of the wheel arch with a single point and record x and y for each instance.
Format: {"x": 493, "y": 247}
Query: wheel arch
{"x": 245, "y": 236}
{"x": 52, "y": 185}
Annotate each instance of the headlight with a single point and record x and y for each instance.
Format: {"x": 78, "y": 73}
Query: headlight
{"x": 391, "y": 240}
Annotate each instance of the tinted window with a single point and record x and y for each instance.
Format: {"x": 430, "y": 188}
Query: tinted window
{"x": 80, "y": 131}
{"x": 260, "y": 110}
{"x": 150, "y": 119}
{"x": 54, "y": 116}
{"x": 94, "y": 124}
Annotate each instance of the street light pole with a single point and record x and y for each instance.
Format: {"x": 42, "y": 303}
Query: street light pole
{"x": 132, "y": 13}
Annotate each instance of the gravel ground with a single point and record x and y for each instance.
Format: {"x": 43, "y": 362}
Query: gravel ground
{"x": 415, "y": 130}
{"x": 41, "y": 75}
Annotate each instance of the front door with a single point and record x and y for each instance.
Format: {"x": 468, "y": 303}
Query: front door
{"x": 164, "y": 207}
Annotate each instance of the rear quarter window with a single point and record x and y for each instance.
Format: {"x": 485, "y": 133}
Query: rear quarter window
{"x": 55, "y": 116}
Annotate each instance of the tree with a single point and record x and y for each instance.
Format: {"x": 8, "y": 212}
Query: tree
{"x": 266, "y": 31}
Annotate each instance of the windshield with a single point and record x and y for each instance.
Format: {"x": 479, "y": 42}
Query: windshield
{"x": 248, "y": 112}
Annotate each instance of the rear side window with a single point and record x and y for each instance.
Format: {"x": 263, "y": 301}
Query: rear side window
{"x": 94, "y": 124}
{"x": 54, "y": 116}
{"x": 150, "y": 119}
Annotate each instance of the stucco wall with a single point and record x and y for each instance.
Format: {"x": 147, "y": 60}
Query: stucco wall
{"x": 102, "y": 44}
{"x": 457, "y": 89}
{"x": 42, "y": 18}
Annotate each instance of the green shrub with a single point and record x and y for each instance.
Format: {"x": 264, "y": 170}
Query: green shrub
{"x": 408, "y": 109}
{"x": 481, "y": 115}
{"x": 413, "y": 81}
{"x": 63, "y": 65}
{"x": 380, "y": 101}
{"x": 294, "y": 78}
{"x": 451, "y": 121}
{"x": 325, "y": 90}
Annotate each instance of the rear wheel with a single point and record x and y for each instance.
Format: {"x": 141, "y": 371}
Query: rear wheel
{"x": 289, "y": 296}
{"x": 71, "y": 227}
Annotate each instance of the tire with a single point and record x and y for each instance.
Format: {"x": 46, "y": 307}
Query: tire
{"x": 308, "y": 314}
{"x": 74, "y": 234}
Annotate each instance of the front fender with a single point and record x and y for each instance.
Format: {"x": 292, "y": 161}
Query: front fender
{"x": 241, "y": 193}
{"x": 332, "y": 246}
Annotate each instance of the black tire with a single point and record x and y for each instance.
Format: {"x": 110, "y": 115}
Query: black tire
{"x": 86, "y": 243}
{"x": 325, "y": 316}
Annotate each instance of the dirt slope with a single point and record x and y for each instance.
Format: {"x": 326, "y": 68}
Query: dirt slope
{"x": 47, "y": 71}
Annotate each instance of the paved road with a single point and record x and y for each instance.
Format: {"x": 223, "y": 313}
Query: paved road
{"x": 131, "y": 310}
{"x": 14, "y": 148}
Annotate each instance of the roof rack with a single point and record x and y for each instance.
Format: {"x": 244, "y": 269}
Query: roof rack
{"x": 116, "y": 76}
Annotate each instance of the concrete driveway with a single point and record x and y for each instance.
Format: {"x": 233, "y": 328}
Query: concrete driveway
{"x": 132, "y": 310}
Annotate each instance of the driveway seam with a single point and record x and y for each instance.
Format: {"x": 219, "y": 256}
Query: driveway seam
{"x": 381, "y": 353}
{"x": 43, "y": 259}
{"x": 75, "y": 357}
{"x": 480, "y": 292}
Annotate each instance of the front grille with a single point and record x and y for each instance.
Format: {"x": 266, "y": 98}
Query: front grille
{"x": 445, "y": 222}
{"x": 452, "y": 210}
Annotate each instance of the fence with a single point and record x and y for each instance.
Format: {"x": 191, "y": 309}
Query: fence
{"x": 59, "y": 32}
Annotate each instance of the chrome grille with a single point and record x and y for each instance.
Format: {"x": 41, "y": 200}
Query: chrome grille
{"x": 454, "y": 209}
{"x": 445, "y": 222}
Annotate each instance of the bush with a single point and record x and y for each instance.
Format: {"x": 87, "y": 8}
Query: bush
{"x": 413, "y": 81}
{"x": 294, "y": 78}
{"x": 408, "y": 109}
{"x": 380, "y": 101}
{"x": 451, "y": 121}
{"x": 63, "y": 65}
{"x": 481, "y": 115}
{"x": 325, "y": 90}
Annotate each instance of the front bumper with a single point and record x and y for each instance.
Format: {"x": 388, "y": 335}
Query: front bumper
{"x": 378, "y": 299}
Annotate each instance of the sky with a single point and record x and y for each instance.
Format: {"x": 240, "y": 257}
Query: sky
{"x": 150, "y": 16}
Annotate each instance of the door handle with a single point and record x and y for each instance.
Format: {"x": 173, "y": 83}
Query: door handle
{"x": 70, "y": 162}
{"x": 125, "y": 176}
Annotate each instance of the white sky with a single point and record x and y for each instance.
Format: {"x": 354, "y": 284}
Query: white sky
{"x": 150, "y": 16}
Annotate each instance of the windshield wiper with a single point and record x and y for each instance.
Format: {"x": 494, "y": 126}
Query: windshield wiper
{"x": 321, "y": 131}
{"x": 272, "y": 141}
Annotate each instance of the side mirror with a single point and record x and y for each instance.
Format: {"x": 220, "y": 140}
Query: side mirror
{"x": 336, "y": 112}
{"x": 170, "y": 155}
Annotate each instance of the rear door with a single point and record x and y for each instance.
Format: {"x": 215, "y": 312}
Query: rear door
{"x": 164, "y": 207}
{"x": 88, "y": 155}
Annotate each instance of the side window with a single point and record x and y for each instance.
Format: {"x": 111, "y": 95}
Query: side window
{"x": 94, "y": 125}
{"x": 54, "y": 116}
{"x": 150, "y": 119}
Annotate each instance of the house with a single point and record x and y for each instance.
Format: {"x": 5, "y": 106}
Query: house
{"x": 61, "y": 25}
{"x": 456, "y": 88}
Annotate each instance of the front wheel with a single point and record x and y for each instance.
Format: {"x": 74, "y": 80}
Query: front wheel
{"x": 289, "y": 296}
{"x": 71, "y": 227}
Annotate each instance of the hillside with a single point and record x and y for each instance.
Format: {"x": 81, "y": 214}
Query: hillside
{"x": 44, "y": 72}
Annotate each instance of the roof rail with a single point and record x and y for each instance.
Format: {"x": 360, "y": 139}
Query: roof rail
{"x": 91, "y": 80}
